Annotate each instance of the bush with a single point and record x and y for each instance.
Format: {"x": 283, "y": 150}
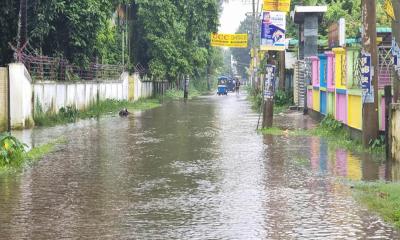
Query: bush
{"x": 283, "y": 98}
{"x": 255, "y": 97}
{"x": 331, "y": 124}
{"x": 69, "y": 113}
{"x": 12, "y": 151}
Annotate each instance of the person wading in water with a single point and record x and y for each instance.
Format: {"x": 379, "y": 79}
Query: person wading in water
{"x": 237, "y": 86}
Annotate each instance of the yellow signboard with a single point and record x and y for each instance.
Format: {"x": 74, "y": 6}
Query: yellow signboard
{"x": 272, "y": 48}
{"x": 277, "y": 5}
{"x": 389, "y": 9}
{"x": 229, "y": 40}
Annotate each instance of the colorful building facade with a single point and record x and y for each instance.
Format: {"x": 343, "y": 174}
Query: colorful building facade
{"x": 334, "y": 86}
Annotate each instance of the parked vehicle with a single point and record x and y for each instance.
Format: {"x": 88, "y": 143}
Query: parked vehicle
{"x": 222, "y": 88}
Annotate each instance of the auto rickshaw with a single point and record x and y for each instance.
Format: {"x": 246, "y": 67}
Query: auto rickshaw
{"x": 222, "y": 89}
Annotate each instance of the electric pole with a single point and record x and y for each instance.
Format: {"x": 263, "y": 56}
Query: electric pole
{"x": 396, "y": 38}
{"x": 370, "y": 124}
{"x": 253, "y": 36}
{"x": 282, "y": 68}
{"x": 268, "y": 94}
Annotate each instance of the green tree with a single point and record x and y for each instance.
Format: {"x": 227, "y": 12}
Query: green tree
{"x": 174, "y": 36}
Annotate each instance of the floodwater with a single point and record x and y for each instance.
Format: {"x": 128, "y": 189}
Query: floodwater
{"x": 188, "y": 171}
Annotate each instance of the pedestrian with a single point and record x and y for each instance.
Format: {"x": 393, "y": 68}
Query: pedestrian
{"x": 237, "y": 86}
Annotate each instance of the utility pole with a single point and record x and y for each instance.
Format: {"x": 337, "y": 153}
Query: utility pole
{"x": 282, "y": 68}
{"x": 370, "y": 124}
{"x": 253, "y": 37}
{"x": 396, "y": 39}
{"x": 186, "y": 88}
{"x": 268, "y": 93}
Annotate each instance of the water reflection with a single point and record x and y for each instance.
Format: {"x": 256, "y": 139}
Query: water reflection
{"x": 328, "y": 159}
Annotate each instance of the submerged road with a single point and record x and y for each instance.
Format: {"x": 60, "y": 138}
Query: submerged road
{"x": 188, "y": 171}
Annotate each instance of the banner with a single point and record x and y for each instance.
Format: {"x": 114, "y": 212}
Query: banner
{"x": 276, "y": 5}
{"x": 337, "y": 34}
{"x": 366, "y": 78}
{"x": 389, "y": 9}
{"x": 229, "y": 40}
{"x": 273, "y": 29}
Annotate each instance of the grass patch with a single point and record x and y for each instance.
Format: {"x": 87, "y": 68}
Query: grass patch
{"x": 275, "y": 131}
{"x": 70, "y": 114}
{"x": 333, "y": 132}
{"x": 382, "y": 198}
{"x": 176, "y": 94}
{"x": 280, "y": 108}
{"x": 302, "y": 161}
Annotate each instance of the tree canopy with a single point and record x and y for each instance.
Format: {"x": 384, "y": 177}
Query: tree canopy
{"x": 174, "y": 35}
{"x": 168, "y": 37}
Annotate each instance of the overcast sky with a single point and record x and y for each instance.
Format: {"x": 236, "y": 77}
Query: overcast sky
{"x": 233, "y": 13}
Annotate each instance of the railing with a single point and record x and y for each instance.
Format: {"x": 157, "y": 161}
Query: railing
{"x": 42, "y": 68}
{"x": 384, "y": 68}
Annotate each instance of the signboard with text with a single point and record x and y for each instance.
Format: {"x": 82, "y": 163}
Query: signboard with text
{"x": 229, "y": 40}
{"x": 276, "y": 5}
{"x": 269, "y": 82}
{"x": 337, "y": 34}
{"x": 273, "y": 30}
{"x": 366, "y": 78}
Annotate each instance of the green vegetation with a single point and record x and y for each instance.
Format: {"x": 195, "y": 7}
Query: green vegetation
{"x": 348, "y": 9}
{"x": 255, "y": 98}
{"x": 282, "y": 100}
{"x": 382, "y": 198}
{"x": 334, "y": 132}
{"x": 169, "y": 38}
{"x": 302, "y": 161}
{"x": 175, "y": 94}
{"x": 14, "y": 155}
{"x": 12, "y": 151}
{"x": 71, "y": 114}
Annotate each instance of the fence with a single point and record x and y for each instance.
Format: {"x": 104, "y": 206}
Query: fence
{"x": 161, "y": 87}
{"x": 384, "y": 68}
{"x": 3, "y": 99}
{"x": 42, "y": 68}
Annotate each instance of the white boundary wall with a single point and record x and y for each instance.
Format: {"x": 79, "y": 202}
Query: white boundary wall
{"x": 142, "y": 89}
{"x": 21, "y": 93}
{"x": 50, "y": 96}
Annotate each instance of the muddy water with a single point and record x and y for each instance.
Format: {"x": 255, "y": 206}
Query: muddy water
{"x": 188, "y": 171}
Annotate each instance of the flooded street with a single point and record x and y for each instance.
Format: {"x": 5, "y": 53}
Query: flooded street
{"x": 188, "y": 171}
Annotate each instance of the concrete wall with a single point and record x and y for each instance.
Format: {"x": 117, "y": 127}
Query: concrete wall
{"x": 3, "y": 99}
{"x": 50, "y": 96}
{"x": 394, "y": 132}
{"x": 142, "y": 89}
{"x": 21, "y": 96}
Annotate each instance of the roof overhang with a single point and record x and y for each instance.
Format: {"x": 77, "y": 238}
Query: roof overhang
{"x": 301, "y": 11}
